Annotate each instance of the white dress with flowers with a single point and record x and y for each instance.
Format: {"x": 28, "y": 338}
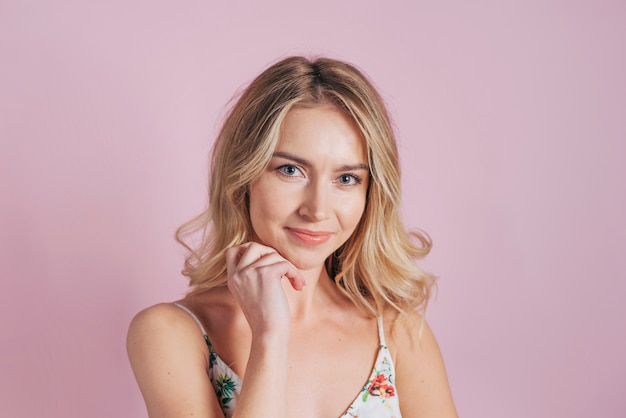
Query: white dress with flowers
{"x": 377, "y": 399}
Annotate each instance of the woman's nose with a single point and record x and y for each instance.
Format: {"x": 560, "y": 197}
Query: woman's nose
{"x": 316, "y": 202}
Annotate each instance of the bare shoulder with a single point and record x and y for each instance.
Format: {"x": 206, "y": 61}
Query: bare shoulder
{"x": 163, "y": 326}
{"x": 420, "y": 370}
{"x": 169, "y": 359}
{"x": 160, "y": 317}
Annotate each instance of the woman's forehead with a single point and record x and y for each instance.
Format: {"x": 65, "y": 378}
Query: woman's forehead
{"x": 322, "y": 131}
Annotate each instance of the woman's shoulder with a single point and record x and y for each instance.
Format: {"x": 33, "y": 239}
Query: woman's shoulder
{"x": 163, "y": 327}
{"x": 404, "y": 329}
{"x": 419, "y": 366}
{"x": 409, "y": 335}
{"x": 182, "y": 316}
{"x": 170, "y": 358}
{"x": 162, "y": 317}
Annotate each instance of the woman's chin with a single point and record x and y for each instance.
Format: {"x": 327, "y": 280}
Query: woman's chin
{"x": 304, "y": 263}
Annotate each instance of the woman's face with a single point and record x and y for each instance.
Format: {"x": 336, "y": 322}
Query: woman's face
{"x": 310, "y": 198}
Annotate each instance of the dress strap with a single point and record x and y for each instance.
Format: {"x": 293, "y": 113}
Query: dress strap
{"x": 212, "y": 355}
{"x": 381, "y": 331}
{"x": 195, "y": 318}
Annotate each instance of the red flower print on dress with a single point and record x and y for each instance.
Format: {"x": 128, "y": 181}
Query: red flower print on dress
{"x": 380, "y": 386}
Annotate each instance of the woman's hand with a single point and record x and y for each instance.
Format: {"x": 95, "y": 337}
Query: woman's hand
{"x": 255, "y": 273}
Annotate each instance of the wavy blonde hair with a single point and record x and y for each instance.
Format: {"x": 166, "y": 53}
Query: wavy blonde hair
{"x": 375, "y": 267}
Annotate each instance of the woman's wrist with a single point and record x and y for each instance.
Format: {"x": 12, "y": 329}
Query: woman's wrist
{"x": 272, "y": 341}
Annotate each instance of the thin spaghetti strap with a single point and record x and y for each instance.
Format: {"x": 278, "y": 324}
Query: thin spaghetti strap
{"x": 381, "y": 331}
{"x": 212, "y": 356}
{"x": 195, "y": 318}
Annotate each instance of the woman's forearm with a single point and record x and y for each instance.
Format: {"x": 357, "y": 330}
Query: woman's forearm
{"x": 264, "y": 388}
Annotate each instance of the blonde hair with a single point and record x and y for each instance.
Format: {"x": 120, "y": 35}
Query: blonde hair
{"x": 375, "y": 267}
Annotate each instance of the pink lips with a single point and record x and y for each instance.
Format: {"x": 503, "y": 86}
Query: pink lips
{"x": 310, "y": 237}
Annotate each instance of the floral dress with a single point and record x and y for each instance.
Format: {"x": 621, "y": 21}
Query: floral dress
{"x": 377, "y": 399}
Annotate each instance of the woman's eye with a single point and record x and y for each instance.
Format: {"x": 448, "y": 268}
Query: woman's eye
{"x": 349, "y": 180}
{"x": 289, "y": 170}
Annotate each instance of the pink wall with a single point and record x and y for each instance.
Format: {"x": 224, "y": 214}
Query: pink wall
{"x": 512, "y": 128}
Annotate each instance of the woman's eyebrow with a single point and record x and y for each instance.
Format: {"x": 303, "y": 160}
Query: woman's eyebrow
{"x": 354, "y": 167}
{"x": 302, "y": 161}
{"x": 292, "y": 157}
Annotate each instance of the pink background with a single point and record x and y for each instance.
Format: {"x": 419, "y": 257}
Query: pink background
{"x": 512, "y": 126}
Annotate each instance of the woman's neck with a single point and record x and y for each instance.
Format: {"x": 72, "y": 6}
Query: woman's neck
{"x": 319, "y": 293}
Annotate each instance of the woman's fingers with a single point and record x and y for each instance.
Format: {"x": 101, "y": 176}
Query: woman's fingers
{"x": 254, "y": 278}
{"x": 253, "y": 256}
{"x": 295, "y": 278}
{"x": 275, "y": 266}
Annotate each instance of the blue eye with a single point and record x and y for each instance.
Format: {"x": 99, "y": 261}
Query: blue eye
{"x": 349, "y": 180}
{"x": 289, "y": 170}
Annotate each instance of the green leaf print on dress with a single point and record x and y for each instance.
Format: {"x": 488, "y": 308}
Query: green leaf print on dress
{"x": 226, "y": 386}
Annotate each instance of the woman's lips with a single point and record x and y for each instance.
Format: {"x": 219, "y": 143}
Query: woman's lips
{"x": 310, "y": 237}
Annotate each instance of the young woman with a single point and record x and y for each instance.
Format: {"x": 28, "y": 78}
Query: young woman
{"x": 304, "y": 289}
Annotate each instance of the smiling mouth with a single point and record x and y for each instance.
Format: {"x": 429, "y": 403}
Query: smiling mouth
{"x": 309, "y": 237}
